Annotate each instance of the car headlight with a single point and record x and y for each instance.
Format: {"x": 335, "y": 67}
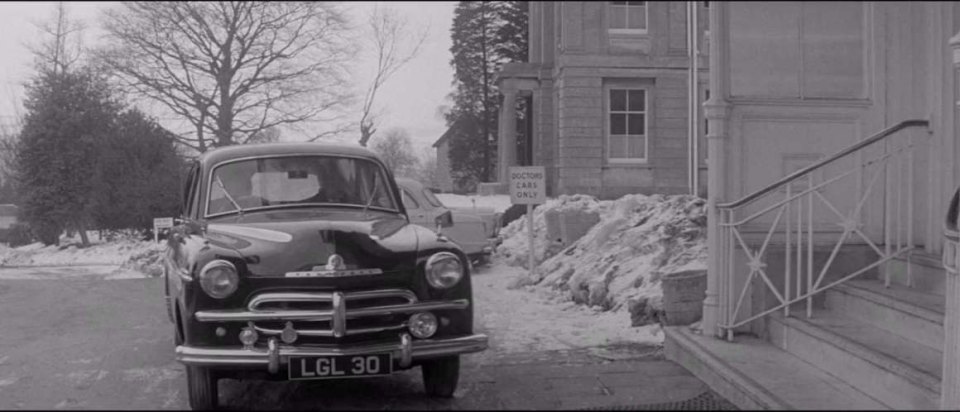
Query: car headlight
{"x": 444, "y": 270}
{"x": 219, "y": 279}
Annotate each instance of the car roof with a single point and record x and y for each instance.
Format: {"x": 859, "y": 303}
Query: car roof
{"x": 222, "y": 154}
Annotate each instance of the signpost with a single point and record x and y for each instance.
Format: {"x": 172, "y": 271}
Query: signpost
{"x": 528, "y": 186}
{"x": 161, "y": 223}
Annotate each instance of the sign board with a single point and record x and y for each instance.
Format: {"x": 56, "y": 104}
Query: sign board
{"x": 162, "y": 223}
{"x": 528, "y": 185}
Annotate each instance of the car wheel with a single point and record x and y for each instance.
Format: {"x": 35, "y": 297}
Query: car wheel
{"x": 202, "y": 385}
{"x": 440, "y": 377}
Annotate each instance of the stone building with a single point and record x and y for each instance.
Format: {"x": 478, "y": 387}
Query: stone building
{"x": 608, "y": 84}
{"x": 834, "y": 157}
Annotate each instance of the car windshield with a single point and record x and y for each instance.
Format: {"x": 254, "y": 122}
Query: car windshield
{"x": 432, "y": 199}
{"x": 298, "y": 180}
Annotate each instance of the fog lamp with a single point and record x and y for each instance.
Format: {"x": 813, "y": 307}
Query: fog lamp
{"x": 288, "y": 335}
{"x": 422, "y": 325}
{"x": 248, "y": 336}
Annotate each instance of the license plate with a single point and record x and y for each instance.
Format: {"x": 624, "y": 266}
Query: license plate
{"x": 329, "y": 367}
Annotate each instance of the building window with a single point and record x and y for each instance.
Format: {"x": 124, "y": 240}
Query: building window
{"x": 628, "y": 16}
{"x": 627, "y": 125}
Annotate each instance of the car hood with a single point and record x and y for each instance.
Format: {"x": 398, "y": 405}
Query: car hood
{"x": 273, "y": 244}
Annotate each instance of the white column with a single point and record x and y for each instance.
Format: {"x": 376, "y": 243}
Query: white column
{"x": 950, "y": 385}
{"x": 716, "y": 110}
{"x": 507, "y": 137}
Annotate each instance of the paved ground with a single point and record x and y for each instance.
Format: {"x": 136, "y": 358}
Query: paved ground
{"x": 83, "y": 342}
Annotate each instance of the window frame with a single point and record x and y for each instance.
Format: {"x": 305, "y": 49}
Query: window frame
{"x": 628, "y": 30}
{"x": 607, "y": 114}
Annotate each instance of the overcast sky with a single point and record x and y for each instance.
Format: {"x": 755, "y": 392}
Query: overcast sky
{"x": 409, "y": 101}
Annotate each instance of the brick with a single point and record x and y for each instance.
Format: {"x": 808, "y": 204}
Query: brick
{"x": 671, "y": 114}
{"x": 579, "y": 162}
{"x": 570, "y": 81}
{"x": 667, "y": 123}
{"x": 577, "y": 172}
{"x": 590, "y": 102}
{"x": 670, "y": 103}
{"x": 594, "y": 122}
{"x": 585, "y": 112}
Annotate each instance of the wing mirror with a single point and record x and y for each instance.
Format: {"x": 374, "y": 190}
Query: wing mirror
{"x": 445, "y": 219}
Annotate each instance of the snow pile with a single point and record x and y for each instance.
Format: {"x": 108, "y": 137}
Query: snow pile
{"x": 617, "y": 265}
{"x": 519, "y": 321}
{"x": 128, "y": 251}
{"x": 499, "y": 203}
{"x": 515, "y": 247}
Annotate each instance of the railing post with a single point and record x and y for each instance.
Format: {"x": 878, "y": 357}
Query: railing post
{"x": 716, "y": 110}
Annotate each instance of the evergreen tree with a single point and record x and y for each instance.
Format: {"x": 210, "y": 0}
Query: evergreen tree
{"x": 485, "y": 34}
{"x": 56, "y": 158}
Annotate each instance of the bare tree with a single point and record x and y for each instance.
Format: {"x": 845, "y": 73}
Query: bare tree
{"x": 394, "y": 46}
{"x": 395, "y": 149}
{"x": 268, "y": 135}
{"x": 232, "y": 68}
{"x": 62, "y": 43}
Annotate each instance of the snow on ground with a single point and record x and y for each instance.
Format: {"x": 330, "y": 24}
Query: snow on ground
{"x": 617, "y": 265}
{"x": 531, "y": 319}
{"x": 123, "y": 258}
{"x": 498, "y": 203}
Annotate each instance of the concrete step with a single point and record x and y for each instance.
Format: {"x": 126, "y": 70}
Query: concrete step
{"x": 894, "y": 370}
{"x": 925, "y": 270}
{"x": 754, "y": 374}
{"x": 906, "y": 312}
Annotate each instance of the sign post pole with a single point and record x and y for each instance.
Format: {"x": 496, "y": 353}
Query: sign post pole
{"x": 528, "y": 187}
{"x": 532, "y": 253}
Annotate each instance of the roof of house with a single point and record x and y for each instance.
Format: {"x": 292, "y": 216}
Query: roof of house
{"x": 444, "y": 136}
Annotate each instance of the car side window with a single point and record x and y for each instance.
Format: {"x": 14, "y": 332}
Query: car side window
{"x": 408, "y": 201}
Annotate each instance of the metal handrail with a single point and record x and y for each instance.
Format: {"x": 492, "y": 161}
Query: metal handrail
{"x": 800, "y": 229}
{"x": 802, "y": 172}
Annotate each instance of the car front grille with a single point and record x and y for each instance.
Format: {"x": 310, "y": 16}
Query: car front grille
{"x": 346, "y": 313}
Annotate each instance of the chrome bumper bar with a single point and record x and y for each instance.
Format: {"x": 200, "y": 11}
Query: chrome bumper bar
{"x": 271, "y": 357}
{"x": 320, "y": 315}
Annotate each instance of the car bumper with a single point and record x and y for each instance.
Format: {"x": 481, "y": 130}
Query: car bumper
{"x": 406, "y": 351}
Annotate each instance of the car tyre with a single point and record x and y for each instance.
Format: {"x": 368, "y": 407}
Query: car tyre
{"x": 440, "y": 376}
{"x": 202, "y": 385}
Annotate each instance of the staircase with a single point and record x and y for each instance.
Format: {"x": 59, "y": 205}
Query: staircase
{"x": 812, "y": 324}
{"x": 867, "y": 347}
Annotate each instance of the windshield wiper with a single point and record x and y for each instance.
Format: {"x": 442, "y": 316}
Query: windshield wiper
{"x": 230, "y": 198}
{"x": 376, "y": 185}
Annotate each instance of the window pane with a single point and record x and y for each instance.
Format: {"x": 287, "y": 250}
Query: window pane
{"x": 618, "y": 100}
{"x": 636, "y": 3}
{"x": 618, "y": 17}
{"x": 618, "y": 3}
{"x": 637, "y": 100}
{"x": 618, "y": 146}
{"x": 833, "y": 49}
{"x": 637, "y": 17}
{"x": 635, "y": 124}
{"x": 408, "y": 200}
{"x": 637, "y": 147}
{"x": 764, "y": 54}
{"x": 618, "y": 123}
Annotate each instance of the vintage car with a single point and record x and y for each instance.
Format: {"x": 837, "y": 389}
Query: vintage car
{"x": 298, "y": 261}
{"x": 477, "y": 232}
